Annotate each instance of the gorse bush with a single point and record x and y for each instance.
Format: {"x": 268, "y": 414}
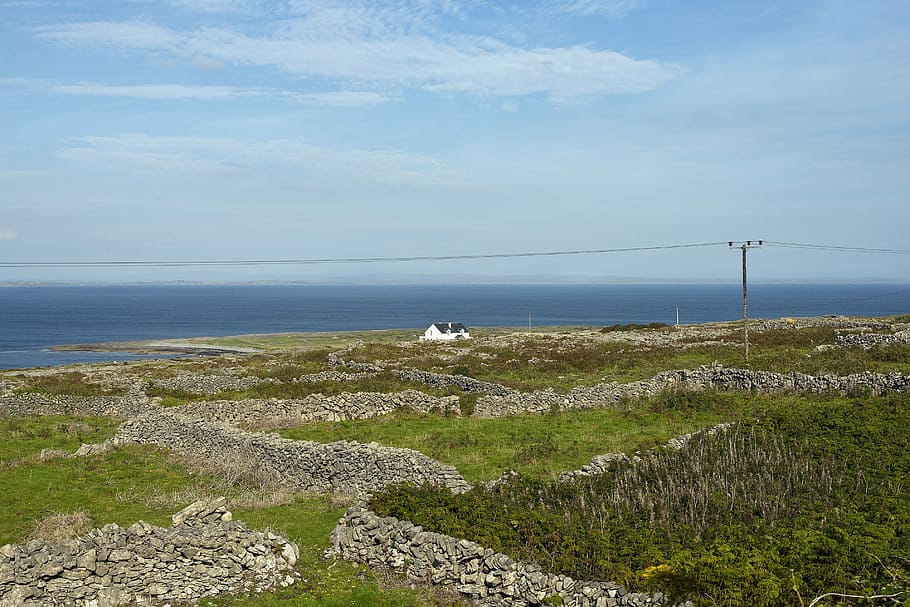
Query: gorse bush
{"x": 806, "y": 499}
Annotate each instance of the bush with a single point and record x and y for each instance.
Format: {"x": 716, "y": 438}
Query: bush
{"x": 807, "y": 499}
{"x": 467, "y": 402}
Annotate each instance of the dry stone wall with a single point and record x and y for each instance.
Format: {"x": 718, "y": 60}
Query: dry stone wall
{"x": 481, "y": 574}
{"x": 211, "y": 384}
{"x": 715, "y": 377}
{"x": 845, "y": 323}
{"x": 441, "y": 380}
{"x": 204, "y": 554}
{"x": 337, "y": 376}
{"x": 601, "y": 463}
{"x": 869, "y": 340}
{"x": 95, "y": 406}
{"x": 340, "y": 467}
{"x": 271, "y": 413}
{"x": 276, "y": 413}
{"x": 334, "y": 359}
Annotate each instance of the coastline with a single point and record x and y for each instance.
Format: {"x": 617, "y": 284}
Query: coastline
{"x": 153, "y": 347}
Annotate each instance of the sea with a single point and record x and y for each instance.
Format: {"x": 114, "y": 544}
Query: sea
{"x": 34, "y": 318}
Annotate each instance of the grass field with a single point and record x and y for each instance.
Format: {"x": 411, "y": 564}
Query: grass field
{"x": 133, "y": 483}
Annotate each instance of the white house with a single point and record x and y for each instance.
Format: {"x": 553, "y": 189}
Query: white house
{"x": 445, "y": 330}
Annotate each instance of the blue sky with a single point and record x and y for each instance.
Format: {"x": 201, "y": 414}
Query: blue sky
{"x": 247, "y": 129}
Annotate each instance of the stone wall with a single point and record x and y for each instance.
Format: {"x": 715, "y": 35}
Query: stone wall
{"x": 440, "y": 380}
{"x": 340, "y": 467}
{"x": 277, "y": 413}
{"x": 204, "y": 554}
{"x": 336, "y": 376}
{"x": 869, "y": 340}
{"x": 715, "y": 377}
{"x": 93, "y": 406}
{"x": 272, "y": 413}
{"x": 334, "y": 359}
{"x": 211, "y": 384}
{"x": 490, "y": 578}
{"x": 846, "y": 323}
{"x": 601, "y": 463}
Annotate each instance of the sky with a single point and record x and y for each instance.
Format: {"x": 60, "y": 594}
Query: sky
{"x": 180, "y": 130}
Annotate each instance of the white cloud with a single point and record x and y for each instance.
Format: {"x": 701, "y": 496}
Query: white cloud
{"x": 8, "y": 234}
{"x": 343, "y": 98}
{"x": 214, "y": 6}
{"x": 122, "y": 34}
{"x": 392, "y": 46}
{"x": 212, "y": 155}
{"x": 158, "y": 91}
{"x": 181, "y": 92}
{"x": 610, "y": 8}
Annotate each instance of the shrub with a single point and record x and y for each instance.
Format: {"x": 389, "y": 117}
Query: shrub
{"x": 462, "y": 370}
{"x": 467, "y": 402}
{"x": 808, "y": 498}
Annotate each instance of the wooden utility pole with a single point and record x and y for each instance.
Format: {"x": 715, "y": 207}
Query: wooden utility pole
{"x": 745, "y": 246}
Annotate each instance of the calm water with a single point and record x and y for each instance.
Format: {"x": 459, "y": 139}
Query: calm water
{"x": 34, "y": 318}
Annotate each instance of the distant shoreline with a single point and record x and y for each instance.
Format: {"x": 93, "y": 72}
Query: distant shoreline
{"x": 153, "y": 347}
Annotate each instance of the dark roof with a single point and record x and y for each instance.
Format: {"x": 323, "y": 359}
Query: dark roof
{"x": 455, "y": 327}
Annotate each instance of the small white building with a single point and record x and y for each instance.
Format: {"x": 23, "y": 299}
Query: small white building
{"x": 445, "y": 331}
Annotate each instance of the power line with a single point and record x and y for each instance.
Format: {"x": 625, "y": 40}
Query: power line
{"x": 340, "y": 260}
{"x": 822, "y": 247}
{"x": 401, "y": 259}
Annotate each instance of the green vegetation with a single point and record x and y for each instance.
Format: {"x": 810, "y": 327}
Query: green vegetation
{"x": 382, "y": 382}
{"x": 25, "y": 437}
{"x": 807, "y": 495}
{"x": 555, "y": 360}
{"x": 537, "y": 445}
{"x": 72, "y": 383}
{"x": 812, "y": 496}
{"x": 134, "y": 483}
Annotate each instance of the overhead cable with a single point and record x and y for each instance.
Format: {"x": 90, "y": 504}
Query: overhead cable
{"x": 340, "y": 260}
{"x": 823, "y": 247}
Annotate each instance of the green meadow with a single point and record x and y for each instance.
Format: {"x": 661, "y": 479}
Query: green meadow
{"x": 833, "y": 471}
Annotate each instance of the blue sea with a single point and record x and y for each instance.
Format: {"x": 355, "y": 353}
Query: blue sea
{"x": 33, "y": 318}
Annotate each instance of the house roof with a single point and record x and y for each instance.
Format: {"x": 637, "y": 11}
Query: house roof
{"x": 454, "y": 326}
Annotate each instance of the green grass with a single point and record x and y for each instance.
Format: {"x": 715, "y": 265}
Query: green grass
{"x": 143, "y": 483}
{"x": 140, "y": 482}
{"x": 282, "y": 342}
{"x": 536, "y": 445}
{"x": 25, "y": 437}
{"x": 808, "y": 498}
{"x": 69, "y": 383}
{"x": 383, "y": 382}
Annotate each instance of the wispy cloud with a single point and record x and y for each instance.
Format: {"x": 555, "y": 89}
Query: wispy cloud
{"x": 610, "y": 8}
{"x": 213, "y": 155}
{"x": 135, "y": 35}
{"x": 343, "y": 98}
{"x": 214, "y": 6}
{"x": 159, "y": 91}
{"x": 182, "y": 92}
{"x": 397, "y": 46}
{"x": 8, "y": 234}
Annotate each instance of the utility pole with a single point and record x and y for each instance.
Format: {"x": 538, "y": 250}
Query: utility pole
{"x": 745, "y": 246}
